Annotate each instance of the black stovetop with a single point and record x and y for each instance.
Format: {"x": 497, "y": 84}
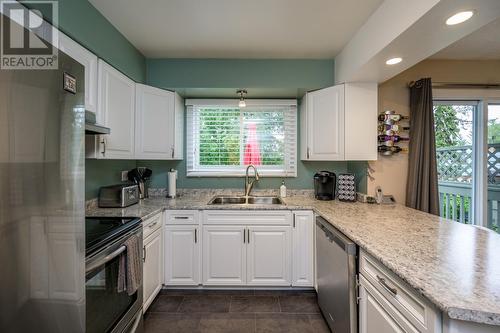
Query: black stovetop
{"x": 100, "y": 231}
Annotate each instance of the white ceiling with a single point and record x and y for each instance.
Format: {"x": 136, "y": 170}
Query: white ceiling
{"x": 482, "y": 44}
{"x": 310, "y": 29}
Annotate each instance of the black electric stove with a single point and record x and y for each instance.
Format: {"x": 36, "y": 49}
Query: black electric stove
{"x": 100, "y": 231}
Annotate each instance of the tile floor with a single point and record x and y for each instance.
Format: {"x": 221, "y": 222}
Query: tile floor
{"x": 222, "y": 311}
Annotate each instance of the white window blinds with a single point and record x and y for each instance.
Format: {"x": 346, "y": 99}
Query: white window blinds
{"x": 223, "y": 139}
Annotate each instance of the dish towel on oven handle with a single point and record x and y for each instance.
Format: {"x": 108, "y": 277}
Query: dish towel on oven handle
{"x": 129, "y": 269}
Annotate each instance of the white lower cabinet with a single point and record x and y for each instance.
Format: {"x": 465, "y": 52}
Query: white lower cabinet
{"x": 182, "y": 235}
{"x": 303, "y": 249}
{"x": 182, "y": 255}
{"x": 374, "y": 316}
{"x": 224, "y": 255}
{"x": 153, "y": 263}
{"x": 387, "y": 304}
{"x": 238, "y": 248}
{"x": 268, "y": 255}
{"x": 152, "y": 280}
{"x": 243, "y": 248}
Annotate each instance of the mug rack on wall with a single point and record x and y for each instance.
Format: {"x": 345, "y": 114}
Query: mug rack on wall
{"x": 392, "y": 132}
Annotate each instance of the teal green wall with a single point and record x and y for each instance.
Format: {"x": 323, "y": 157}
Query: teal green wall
{"x": 103, "y": 172}
{"x": 82, "y": 22}
{"x": 300, "y": 74}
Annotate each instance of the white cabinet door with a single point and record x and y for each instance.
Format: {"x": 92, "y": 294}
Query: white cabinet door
{"x": 152, "y": 269}
{"x": 179, "y": 128}
{"x": 373, "y": 317}
{"x": 376, "y": 314}
{"x": 361, "y": 121}
{"x": 89, "y": 61}
{"x": 182, "y": 255}
{"x": 116, "y": 103}
{"x": 224, "y": 255}
{"x": 268, "y": 255}
{"x": 303, "y": 249}
{"x": 154, "y": 123}
{"x": 325, "y": 124}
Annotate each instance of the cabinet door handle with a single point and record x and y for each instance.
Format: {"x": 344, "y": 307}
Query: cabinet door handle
{"x": 384, "y": 284}
{"x": 294, "y": 221}
{"x": 248, "y": 236}
{"x": 244, "y": 235}
{"x": 104, "y": 147}
{"x": 144, "y": 254}
{"x": 307, "y": 152}
{"x": 196, "y": 236}
{"x": 173, "y": 152}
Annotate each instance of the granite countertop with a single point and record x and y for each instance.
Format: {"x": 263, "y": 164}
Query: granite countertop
{"x": 455, "y": 266}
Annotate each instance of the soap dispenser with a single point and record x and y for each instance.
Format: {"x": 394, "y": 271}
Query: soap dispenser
{"x": 283, "y": 189}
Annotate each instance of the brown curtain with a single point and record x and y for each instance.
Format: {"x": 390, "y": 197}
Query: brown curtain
{"x": 422, "y": 185}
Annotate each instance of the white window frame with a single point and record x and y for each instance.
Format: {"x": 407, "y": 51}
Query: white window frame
{"x": 483, "y": 97}
{"x": 192, "y": 170}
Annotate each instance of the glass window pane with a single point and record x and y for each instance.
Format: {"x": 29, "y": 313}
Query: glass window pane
{"x": 493, "y": 163}
{"x": 454, "y": 128}
{"x": 264, "y": 138}
{"x": 219, "y": 136}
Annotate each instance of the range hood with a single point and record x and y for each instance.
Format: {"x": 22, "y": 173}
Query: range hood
{"x": 96, "y": 129}
{"x": 91, "y": 127}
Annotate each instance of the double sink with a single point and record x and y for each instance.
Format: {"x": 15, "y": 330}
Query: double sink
{"x": 222, "y": 200}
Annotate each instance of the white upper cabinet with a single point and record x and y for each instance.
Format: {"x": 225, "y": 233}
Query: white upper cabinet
{"x": 158, "y": 123}
{"x": 322, "y": 119}
{"x": 339, "y": 123}
{"x": 361, "y": 121}
{"x": 89, "y": 61}
{"x": 116, "y": 104}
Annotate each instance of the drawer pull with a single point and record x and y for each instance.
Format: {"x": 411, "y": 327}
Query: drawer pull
{"x": 181, "y": 217}
{"x": 384, "y": 284}
{"x": 152, "y": 225}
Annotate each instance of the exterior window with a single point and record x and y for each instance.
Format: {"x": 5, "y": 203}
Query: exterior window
{"x": 223, "y": 139}
{"x": 468, "y": 160}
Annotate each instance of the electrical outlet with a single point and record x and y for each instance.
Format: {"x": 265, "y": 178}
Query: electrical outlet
{"x": 124, "y": 176}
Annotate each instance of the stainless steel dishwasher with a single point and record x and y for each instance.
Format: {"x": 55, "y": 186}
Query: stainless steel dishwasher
{"x": 336, "y": 278}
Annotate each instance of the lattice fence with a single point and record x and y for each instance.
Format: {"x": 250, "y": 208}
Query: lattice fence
{"x": 454, "y": 164}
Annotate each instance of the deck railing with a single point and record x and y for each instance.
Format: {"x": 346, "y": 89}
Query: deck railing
{"x": 455, "y": 184}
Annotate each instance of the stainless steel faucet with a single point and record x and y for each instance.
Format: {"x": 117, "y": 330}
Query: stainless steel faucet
{"x": 248, "y": 184}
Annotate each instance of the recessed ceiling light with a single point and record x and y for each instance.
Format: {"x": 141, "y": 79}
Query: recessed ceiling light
{"x": 393, "y": 61}
{"x": 459, "y": 17}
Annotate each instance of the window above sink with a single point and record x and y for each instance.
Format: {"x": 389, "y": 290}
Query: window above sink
{"x": 222, "y": 138}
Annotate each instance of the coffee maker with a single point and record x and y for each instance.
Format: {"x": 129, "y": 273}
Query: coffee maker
{"x": 324, "y": 185}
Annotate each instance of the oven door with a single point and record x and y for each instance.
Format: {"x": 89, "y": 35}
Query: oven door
{"x": 108, "y": 310}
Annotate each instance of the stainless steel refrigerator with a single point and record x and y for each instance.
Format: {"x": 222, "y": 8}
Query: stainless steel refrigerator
{"x": 42, "y": 213}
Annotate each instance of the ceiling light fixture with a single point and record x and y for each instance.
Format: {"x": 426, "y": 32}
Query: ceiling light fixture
{"x": 242, "y": 93}
{"x": 459, "y": 17}
{"x": 393, "y": 61}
